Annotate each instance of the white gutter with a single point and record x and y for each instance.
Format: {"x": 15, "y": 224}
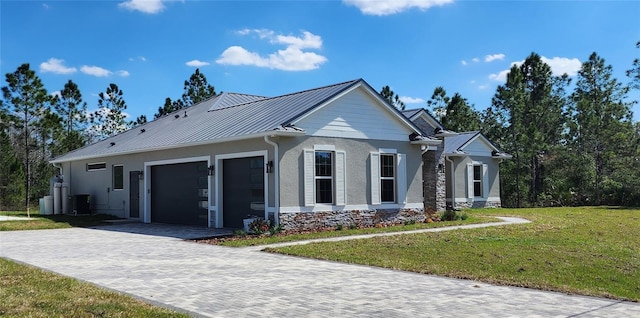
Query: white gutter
{"x": 453, "y": 183}
{"x": 276, "y": 173}
{"x": 59, "y": 167}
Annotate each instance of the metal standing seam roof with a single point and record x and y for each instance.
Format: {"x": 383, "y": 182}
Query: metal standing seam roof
{"x": 411, "y": 112}
{"x": 225, "y": 116}
{"x": 453, "y": 144}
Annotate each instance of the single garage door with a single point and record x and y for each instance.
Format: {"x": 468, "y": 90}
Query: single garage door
{"x": 242, "y": 190}
{"x": 179, "y": 193}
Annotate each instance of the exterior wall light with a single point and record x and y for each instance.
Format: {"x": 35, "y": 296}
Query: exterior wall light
{"x": 211, "y": 170}
{"x": 269, "y": 166}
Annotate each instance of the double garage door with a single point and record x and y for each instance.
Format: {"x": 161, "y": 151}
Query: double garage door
{"x": 180, "y": 192}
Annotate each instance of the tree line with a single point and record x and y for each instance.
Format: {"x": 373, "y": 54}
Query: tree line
{"x": 36, "y": 126}
{"x": 572, "y": 143}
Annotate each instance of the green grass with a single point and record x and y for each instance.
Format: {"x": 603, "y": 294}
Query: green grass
{"x": 591, "y": 251}
{"x": 29, "y": 292}
{"x": 250, "y": 240}
{"x": 58, "y": 221}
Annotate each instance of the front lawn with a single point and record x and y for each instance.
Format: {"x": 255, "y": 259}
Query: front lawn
{"x": 29, "y": 292}
{"x": 58, "y": 221}
{"x": 588, "y": 250}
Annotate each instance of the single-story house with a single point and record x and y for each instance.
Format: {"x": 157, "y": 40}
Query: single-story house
{"x": 334, "y": 155}
{"x": 466, "y": 166}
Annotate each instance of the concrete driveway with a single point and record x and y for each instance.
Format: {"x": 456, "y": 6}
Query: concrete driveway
{"x": 214, "y": 281}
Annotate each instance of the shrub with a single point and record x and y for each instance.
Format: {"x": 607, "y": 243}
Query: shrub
{"x": 448, "y": 215}
{"x": 259, "y": 226}
{"x": 273, "y": 230}
{"x": 339, "y": 227}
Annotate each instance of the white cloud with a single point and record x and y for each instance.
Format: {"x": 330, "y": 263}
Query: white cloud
{"x": 559, "y": 66}
{"x": 141, "y": 58}
{"x": 308, "y": 41}
{"x": 197, "y": 63}
{"x": 501, "y": 76}
{"x": 56, "y": 93}
{"x": 475, "y": 60}
{"x": 484, "y": 86}
{"x": 494, "y": 57}
{"x": 463, "y": 62}
{"x": 56, "y": 66}
{"x": 411, "y": 100}
{"x": 145, "y": 6}
{"x": 46, "y": 6}
{"x": 95, "y": 71}
{"x": 123, "y": 73}
{"x": 388, "y": 7}
{"x": 292, "y": 58}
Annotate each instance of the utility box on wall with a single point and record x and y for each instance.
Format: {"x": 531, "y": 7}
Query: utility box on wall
{"x": 82, "y": 204}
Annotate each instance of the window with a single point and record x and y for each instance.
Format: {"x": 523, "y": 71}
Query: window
{"x": 96, "y": 166}
{"x": 118, "y": 177}
{"x": 477, "y": 180}
{"x": 324, "y": 176}
{"x": 387, "y": 178}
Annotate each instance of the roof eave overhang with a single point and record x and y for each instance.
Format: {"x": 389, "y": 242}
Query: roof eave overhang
{"x": 270, "y": 133}
{"x": 431, "y": 142}
{"x": 456, "y": 154}
{"x": 502, "y": 156}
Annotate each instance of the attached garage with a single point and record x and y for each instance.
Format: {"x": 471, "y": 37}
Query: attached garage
{"x": 242, "y": 190}
{"x": 179, "y": 193}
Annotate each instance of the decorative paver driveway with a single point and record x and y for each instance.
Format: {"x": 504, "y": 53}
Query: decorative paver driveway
{"x": 215, "y": 281}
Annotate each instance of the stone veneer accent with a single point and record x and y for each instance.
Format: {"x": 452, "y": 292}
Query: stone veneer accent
{"x": 346, "y": 218}
{"x": 478, "y": 204}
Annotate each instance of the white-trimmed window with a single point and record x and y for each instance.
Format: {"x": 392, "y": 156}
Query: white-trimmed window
{"x": 96, "y": 166}
{"x": 388, "y": 177}
{"x": 324, "y": 176}
{"x": 118, "y": 177}
{"x": 477, "y": 180}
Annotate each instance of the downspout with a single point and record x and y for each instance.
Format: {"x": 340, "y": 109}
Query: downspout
{"x": 276, "y": 173}
{"x": 55, "y": 165}
{"x": 453, "y": 183}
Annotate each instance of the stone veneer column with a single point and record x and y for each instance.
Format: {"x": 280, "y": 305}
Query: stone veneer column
{"x": 429, "y": 181}
{"x": 441, "y": 183}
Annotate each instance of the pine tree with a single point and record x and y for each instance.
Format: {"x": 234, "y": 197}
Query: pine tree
{"x": 109, "y": 119}
{"x": 603, "y": 131}
{"x": 392, "y": 97}
{"x": 196, "y": 89}
{"x": 29, "y": 99}
{"x": 73, "y": 112}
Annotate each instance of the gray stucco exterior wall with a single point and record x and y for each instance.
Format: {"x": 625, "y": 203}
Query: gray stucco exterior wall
{"x": 98, "y": 184}
{"x": 462, "y": 200}
{"x": 358, "y": 166}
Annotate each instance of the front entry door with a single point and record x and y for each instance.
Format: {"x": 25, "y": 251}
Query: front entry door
{"x": 134, "y": 194}
{"x": 242, "y": 190}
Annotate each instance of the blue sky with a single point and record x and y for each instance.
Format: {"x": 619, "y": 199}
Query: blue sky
{"x": 149, "y": 48}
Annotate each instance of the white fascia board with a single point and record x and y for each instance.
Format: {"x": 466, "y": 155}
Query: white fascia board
{"x": 271, "y": 133}
{"x": 456, "y": 154}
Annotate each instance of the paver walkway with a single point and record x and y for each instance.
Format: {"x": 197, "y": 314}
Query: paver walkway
{"x": 215, "y": 281}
